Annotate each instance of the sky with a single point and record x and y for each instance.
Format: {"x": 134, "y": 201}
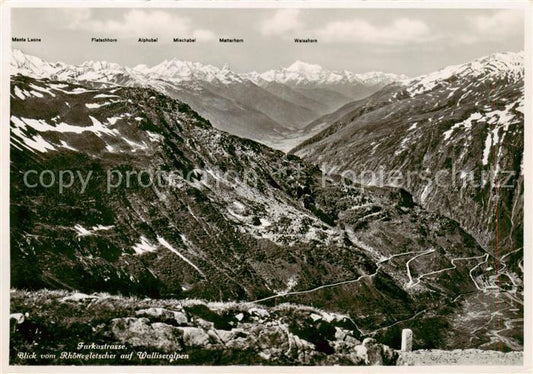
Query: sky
{"x": 402, "y": 41}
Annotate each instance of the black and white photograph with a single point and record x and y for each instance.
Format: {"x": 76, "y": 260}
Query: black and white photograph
{"x": 266, "y": 186}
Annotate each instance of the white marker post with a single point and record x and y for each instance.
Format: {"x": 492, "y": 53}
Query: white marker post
{"x": 407, "y": 340}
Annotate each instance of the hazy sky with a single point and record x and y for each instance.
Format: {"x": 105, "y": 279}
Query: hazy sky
{"x": 408, "y": 41}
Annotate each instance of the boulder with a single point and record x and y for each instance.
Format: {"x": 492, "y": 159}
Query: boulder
{"x": 225, "y": 335}
{"x": 180, "y": 318}
{"x": 370, "y": 352}
{"x": 258, "y": 312}
{"x": 215, "y": 337}
{"x": 159, "y": 313}
{"x": 206, "y": 325}
{"x": 344, "y": 342}
{"x": 138, "y": 332}
{"x": 163, "y": 315}
{"x": 274, "y": 340}
{"x": 194, "y": 337}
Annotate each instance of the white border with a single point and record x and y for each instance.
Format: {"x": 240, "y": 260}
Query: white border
{"x": 5, "y": 8}
{"x": 5, "y": 47}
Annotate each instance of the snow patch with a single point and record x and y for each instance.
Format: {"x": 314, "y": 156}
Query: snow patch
{"x": 425, "y": 193}
{"x": 33, "y": 143}
{"x": 105, "y": 96}
{"x": 167, "y": 245}
{"x": 113, "y": 120}
{"x": 135, "y": 146}
{"x": 156, "y": 138}
{"x": 467, "y": 124}
{"x": 20, "y": 93}
{"x": 98, "y": 105}
{"x": 36, "y": 94}
{"x": 144, "y": 246}
{"x": 82, "y": 231}
{"x": 40, "y": 125}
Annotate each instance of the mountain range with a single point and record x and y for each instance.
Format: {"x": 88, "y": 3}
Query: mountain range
{"x": 268, "y": 107}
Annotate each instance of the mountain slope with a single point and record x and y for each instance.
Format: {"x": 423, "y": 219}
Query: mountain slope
{"x": 231, "y": 219}
{"x": 447, "y": 133}
{"x": 182, "y": 81}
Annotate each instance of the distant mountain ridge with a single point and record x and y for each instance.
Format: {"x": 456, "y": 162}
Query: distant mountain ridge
{"x": 267, "y": 107}
{"x": 331, "y": 87}
{"x": 299, "y": 73}
{"x": 302, "y": 73}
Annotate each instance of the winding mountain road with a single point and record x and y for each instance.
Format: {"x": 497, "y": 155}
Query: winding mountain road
{"x": 342, "y": 282}
{"x": 454, "y": 266}
{"x": 380, "y": 264}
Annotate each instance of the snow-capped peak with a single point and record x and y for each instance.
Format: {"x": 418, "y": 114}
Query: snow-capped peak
{"x": 38, "y": 68}
{"x": 187, "y": 71}
{"x": 379, "y": 78}
{"x": 303, "y": 73}
{"x": 298, "y": 73}
{"x": 509, "y": 65}
{"x": 33, "y": 66}
{"x": 101, "y": 65}
{"x": 304, "y": 67}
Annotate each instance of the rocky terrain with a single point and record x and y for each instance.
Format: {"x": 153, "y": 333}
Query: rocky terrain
{"x": 195, "y": 332}
{"x": 454, "y": 139}
{"x": 281, "y": 234}
{"x": 200, "y": 333}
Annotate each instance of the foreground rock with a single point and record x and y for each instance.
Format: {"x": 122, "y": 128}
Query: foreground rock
{"x": 204, "y": 333}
